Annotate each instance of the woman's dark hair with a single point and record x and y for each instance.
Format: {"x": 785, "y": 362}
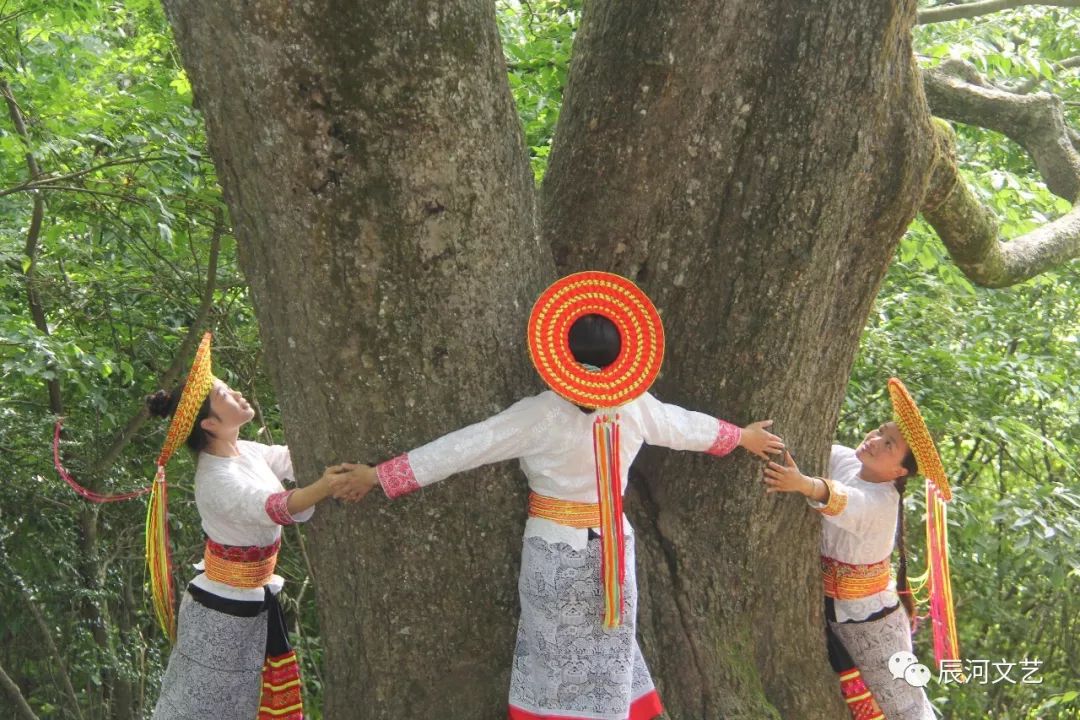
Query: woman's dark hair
{"x": 594, "y": 340}
{"x": 163, "y": 404}
{"x": 902, "y": 587}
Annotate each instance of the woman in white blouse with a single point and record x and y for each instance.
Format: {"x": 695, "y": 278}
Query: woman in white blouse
{"x": 868, "y": 612}
{"x": 232, "y": 659}
{"x": 567, "y": 664}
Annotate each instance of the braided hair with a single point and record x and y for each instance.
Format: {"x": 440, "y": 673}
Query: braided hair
{"x": 904, "y": 590}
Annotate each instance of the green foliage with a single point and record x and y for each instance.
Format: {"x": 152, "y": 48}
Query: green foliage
{"x": 536, "y": 39}
{"x": 130, "y": 202}
{"x": 996, "y": 374}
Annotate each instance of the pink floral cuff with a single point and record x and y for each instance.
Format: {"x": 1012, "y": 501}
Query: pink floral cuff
{"x": 396, "y": 477}
{"x": 277, "y": 507}
{"x": 727, "y": 438}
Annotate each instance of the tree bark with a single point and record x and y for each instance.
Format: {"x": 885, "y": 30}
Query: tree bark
{"x": 376, "y": 174}
{"x": 753, "y": 165}
{"x": 754, "y": 168}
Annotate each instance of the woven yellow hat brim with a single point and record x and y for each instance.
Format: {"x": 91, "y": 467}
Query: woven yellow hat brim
{"x": 197, "y": 386}
{"x": 913, "y": 428}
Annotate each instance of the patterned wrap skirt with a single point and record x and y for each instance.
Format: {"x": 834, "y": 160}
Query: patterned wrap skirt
{"x": 870, "y": 644}
{"x": 215, "y": 669}
{"x": 232, "y": 661}
{"x": 566, "y": 665}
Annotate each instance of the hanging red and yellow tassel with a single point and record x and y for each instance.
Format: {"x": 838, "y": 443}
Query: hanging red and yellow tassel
{"x": 942, "y": 614}
{"x": 281, "y": 688}
{"x": 609, "y": 493}
{"x": 857, "y": 695}
{"x": 159, "y": 556}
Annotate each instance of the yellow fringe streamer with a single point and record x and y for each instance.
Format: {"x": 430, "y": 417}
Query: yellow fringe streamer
{"x": 158, "y": 560}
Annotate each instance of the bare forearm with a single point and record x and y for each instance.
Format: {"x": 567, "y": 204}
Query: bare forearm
{"x": 307, "y": 496}
{"x": 816, "y": 489}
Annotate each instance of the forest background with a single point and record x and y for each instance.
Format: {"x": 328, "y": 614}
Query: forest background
{"x": 117, "y": 252}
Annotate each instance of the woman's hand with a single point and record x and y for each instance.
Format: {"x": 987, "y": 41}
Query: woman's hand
{"x": 353, "y": 484}
{"x": 303, "y": 498}
{"x": 756, "y": 439}
{"x": 787, "y": 478}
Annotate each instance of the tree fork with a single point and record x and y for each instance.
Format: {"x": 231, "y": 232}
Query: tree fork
{"x": 968, "y": 228}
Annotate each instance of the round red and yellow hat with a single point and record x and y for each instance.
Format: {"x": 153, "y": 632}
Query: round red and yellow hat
{"x": 913, "y": 428}
{"x": 620, "y": 301}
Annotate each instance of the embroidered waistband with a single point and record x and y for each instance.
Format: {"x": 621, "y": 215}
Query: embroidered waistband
{"x": 239, "y": 566}
{"x": 565, "y": 512}
{"x": 845, "y": 581}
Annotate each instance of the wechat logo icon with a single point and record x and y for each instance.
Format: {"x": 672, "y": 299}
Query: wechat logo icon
{"x": 905, "y": 665}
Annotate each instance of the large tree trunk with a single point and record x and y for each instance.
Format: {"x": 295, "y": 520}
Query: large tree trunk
{"x": 752, "y": 163}
{"x": 376, "y": 174}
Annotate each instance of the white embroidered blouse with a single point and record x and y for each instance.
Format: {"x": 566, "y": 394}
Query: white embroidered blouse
{"x": 242, "y": 502}
{"x": 553, "y": 439}
{"x": 859, "y": 528}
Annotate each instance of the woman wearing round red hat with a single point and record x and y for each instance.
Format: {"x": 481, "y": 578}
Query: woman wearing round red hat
{"x": 597, "y": 341}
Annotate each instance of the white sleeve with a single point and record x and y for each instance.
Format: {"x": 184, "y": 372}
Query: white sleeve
{"x": 851, "y": 508}
{"x": 677, "y": 428}
{"x": 274, "y": 502}
{"x": 278, "y": 458}
{"x": 229, "y": 499}
{"x": 521, "y": 429}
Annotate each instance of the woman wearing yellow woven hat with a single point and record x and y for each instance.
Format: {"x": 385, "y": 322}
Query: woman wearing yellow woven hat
{"x": 597, "y": 341}
{"x": 231, "y": 659}
{"x": 868, "y": 611}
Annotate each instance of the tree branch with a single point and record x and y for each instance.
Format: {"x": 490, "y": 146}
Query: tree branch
{"x": 1036, "y": 122}
{"x": 944, "y": 13}
{"x": 19, "y": 121}
{"x": 75, "y": 188}
{"x": 970, "y": 229}
{"x": 970, "y": 232}
{"x": 33, "y": 234}
{"x": 17, "y": 699}
{"x": 33, "y": 184}
{"x": 13, "y": 16}
{"x": 1031, "y": 83}
{"x": 180, "y": 360}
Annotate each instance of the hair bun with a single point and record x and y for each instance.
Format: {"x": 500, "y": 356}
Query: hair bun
{"x": 160, "y": 403}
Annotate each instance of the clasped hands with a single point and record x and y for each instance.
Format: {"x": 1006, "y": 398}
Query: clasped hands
{"x": 350, "y": 481}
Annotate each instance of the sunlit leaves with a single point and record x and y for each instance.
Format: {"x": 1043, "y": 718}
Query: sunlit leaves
{"x": 536, "y": 38}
